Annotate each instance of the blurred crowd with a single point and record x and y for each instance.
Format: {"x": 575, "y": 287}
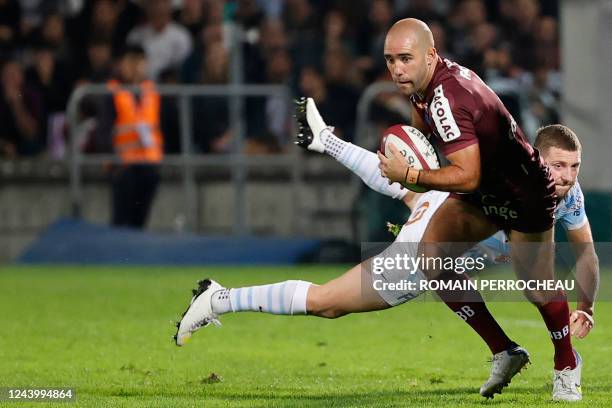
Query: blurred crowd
{"x": 326, "y": 49}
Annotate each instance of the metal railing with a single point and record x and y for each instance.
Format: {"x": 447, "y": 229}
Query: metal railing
{"x": 237, "y": 162}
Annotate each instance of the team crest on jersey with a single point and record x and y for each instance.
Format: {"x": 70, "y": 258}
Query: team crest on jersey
{"x": 442, "y": 116}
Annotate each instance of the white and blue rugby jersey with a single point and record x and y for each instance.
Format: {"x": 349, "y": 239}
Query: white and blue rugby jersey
{"x": 570, "y": 211}
{"x": 569, "y": 214}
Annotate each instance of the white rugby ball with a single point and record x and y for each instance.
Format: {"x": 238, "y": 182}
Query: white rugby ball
{"x": 414, "y": 146}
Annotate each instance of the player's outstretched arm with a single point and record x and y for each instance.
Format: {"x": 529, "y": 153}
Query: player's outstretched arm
{"x": 587, "y": 276}
{"x": 315, "y": 135}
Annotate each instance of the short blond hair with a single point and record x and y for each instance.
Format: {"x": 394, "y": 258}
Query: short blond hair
{"x": 558, "y": 136}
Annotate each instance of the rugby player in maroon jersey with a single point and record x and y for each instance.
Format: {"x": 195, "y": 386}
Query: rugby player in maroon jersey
{"x": 497, "y": 180}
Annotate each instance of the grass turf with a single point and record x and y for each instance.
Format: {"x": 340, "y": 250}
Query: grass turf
{"x": 106, "y": 332}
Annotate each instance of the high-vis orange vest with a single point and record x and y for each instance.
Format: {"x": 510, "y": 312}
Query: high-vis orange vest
{"x": 137, "y": 137}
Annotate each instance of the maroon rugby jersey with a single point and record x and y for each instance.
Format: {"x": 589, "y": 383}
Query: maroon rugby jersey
{"x": 460, "y": 110}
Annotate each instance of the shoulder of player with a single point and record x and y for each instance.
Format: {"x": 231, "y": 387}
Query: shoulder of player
{"x": 451, "y": 107}
{"x": 450, "y": 88}
{"x": 577, "y": 195}
{"x": 574, "y": 199}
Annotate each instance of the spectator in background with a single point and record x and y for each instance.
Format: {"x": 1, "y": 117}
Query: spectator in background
{"x": 339, "y": 74}
{"x": 423, "y": 10}
{"x": 278, "y": 111}
{"x": 273, "y": 9}
{"x": 371, "y": 39}
{"x": 137, "y": 140}
{"x": 257, "y": 60}
{"x": 482, "y": 37}
{"x": 542, "y": 105}
{"x": 466, "y": 16}
{"x": 166, "y": 43}
{"x": 216, "y": 64}
{"x": 192, "y": 16}
{"x": 21, "y": 114}
{"x": 499, "y": 64}
{"x": 336, "y": 32}
{"x": 103, "y": 21}
{"x": 10, "y": 16}
{"x": 250, "y": 16}
{"x": 33, "y": 12}
{"x": 108, "y": 20}
{"x": 52, "y": 81}
{"x": 215, "y": 10}
{"x": 523, "y": 36}
{"x": 299, "y": 17}
{"x": 99, "y": 61}
{"x": 269, "y": 121}
{"x": 340, "y": 81}
{"x": 52, "y": 34}
{"x": 336, "y": 103}
{"x": 506, "y": 18}
{"x": 513, "y": 44}
{"x": 439, "y": 35}
{"x": 547, "y": 49}
{"x": 303, "y": 33}
{"x": 212, "y": 128}
{"x": 97, "y": 22}
{"x": 353, "y": 12}
{"x": 271, "y": 38}
{"x": 191, "y": 71}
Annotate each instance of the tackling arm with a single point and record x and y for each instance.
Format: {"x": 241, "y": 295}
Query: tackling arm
{"x": 587, "y": 266}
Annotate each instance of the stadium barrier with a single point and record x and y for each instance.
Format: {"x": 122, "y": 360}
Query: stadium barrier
{"x": 237, "y": 162}
{"x": 72, "y": 241}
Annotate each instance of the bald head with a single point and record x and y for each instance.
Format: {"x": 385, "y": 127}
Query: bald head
{"x": 413, "y": 30}
{"x": 410, "y": 55}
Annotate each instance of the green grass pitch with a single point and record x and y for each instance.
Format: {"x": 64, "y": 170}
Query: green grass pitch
{"x": 106, "y": 332}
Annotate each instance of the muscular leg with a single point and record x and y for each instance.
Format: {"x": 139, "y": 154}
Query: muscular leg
{"x": 343, "y": 295}
{"x": 533, "y": 259}
{"x": 457, "y": 225}
{"x": 453, "y": 229}
{"x": 338, "y": 297}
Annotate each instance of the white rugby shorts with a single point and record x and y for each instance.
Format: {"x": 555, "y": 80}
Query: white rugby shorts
{"x": 392, "y": 283}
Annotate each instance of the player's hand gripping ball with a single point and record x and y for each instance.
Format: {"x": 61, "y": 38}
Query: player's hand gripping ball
{"x": 401, "y": 145}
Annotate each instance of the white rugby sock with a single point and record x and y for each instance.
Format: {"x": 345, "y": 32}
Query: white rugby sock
{"x": 361, "y": 162}
{"x": 285, "y": 298}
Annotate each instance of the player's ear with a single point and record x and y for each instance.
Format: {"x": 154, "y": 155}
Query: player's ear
{"x": 431, "y": 55}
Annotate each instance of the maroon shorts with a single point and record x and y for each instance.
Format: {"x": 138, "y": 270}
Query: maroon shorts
{"x": 523, "y": 199}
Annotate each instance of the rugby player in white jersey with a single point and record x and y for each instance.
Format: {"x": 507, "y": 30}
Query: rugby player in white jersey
{"x": 348, "y": 294}
{"x": 561, "y": 150}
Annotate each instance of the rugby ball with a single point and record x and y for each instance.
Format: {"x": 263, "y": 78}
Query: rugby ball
{"x": 414, "y": 146}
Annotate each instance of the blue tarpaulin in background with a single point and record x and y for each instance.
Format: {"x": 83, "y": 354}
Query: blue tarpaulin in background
{"x": 70, "y": 241}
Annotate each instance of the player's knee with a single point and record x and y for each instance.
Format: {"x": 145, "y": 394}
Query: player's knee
{"x": 540, "y": 298}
